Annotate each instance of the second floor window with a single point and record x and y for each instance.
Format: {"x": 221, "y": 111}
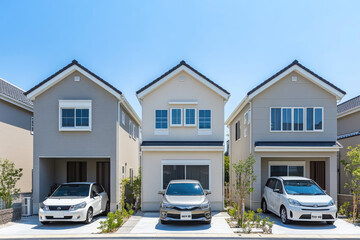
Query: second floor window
{"x": 298, "y": 119}
{"x": 275, "y": 119}
{"x": 314, "y": 119}
{"x": 176, "y": 117}
{"x": 286, "y": 119}
{"x": 190, "y": 117}
{"x": 75, "y": 115}
{"x": 237, "y": 130}
{"x": 161, "y": 119}
{"x": 204, "y": 119}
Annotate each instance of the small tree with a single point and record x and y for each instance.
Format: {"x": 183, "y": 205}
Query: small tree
{"x": 9, "y": 175}
{"x": 226, "y": 168}
{"x": 136, "y": 188}
{"x": 352, "y": 169}
{"x": 245, "y": 177}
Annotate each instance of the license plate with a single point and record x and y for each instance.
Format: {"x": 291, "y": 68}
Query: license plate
{"x": 58, "y": 214}
{"x": 185, "y": 216}
{"x": 316, "y": 216}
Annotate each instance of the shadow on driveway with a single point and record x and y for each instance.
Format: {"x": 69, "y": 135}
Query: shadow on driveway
{"x": 182, "y": 226}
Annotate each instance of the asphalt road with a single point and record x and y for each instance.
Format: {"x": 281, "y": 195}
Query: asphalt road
{"x": 203, "y": 238}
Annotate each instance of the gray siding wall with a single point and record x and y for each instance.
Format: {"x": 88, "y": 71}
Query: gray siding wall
{"x": 15, "y": 116}
{"x": 127, "y": 118}
{"x": 285, "y": 93}
{"x": 349, "y": 123}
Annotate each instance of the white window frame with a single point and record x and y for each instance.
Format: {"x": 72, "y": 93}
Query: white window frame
{"x": 195, "y": 116}
{"x": 161, "y": 131}
{"x": 130, "y": 128}
{"x": 75, "y": 104}
{"x": 286, "y": 163}
{"x": 133, "y": 131}
{"x": 123, "y": 117}
{"x": 181, "y": 117}
{"x": 32, "y": 125}
{"x": 293, "y": 118}
{"x": 238, "y": 121}
{"x": 185, "y": 163}
{"x": 245, "y": 132}
{"x": 305, "y": 116}
{"x": 205, "y": 131}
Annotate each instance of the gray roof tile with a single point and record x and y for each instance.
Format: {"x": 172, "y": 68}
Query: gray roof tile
{"x": 14, "y": 92}
{"x": 348, "y": 105}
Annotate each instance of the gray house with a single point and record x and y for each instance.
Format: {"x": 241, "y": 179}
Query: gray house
{"x": 16, "y": 139}
{"x": 84, "y": 130}
{"x": 348, "y": 126}
{"x": 289, "y": 124}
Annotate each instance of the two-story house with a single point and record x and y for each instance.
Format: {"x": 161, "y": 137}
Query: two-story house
{"x": 182, "y": 133}
{"x": 84, "y": 130}
{"x": 288, "y": 123}
{"x": 348, "y": 127}
{"x": 16, "y": 139}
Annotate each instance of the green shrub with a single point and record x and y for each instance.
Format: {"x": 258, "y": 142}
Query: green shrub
{"x": 109, "y": 224}
{"x": 255, "y": 220}
{"x": 233, "y": 210}
{"x": 345, "y": 209}
{"x": 9, "y": 175}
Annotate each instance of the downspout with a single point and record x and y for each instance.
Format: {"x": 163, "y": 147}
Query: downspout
{"x": 117, "y": 165}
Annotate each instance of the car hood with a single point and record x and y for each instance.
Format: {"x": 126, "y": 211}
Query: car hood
{"x": 52, "y": 201}
{"x": 312, "y": 199}
{"x": 185, "y": 200}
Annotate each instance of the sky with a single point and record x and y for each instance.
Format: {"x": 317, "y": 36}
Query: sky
{"x": 237, "y": 44}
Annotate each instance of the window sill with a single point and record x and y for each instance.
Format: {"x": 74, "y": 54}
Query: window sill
{"x": 75, "y": 129}
{"x": 204, "y": 132}
{"x": 161, "y": 132}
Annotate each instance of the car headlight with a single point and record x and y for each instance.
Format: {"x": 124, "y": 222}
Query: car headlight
{"x": 44, "y": 207}
{"x": 294, "y": 202}
{"x": 77, "y": 206}
{"x": 205, "y": 205}
{"x": 331, "y": 203}
{"x": 166, "y": 205}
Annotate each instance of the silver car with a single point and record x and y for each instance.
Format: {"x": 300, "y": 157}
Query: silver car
{"x": 185, "y": 200}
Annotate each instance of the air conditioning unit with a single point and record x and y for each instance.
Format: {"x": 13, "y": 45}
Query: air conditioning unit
{"x": 27, "y": 207}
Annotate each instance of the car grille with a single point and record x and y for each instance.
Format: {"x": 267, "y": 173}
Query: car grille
{"x": 324, "y": 216}
{"x": 314, "y": 209}
{"x": 65, "y": 217}
{"x": 190, "y": 208}
{"x": 305, "y": 216}
{"x": 314, "y": 205}
{"x": 59, "y": 208}
{"x": 327, "y": 216}
{"x": 177, "y": 216}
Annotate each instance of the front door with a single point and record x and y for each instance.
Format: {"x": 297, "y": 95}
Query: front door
{"x": 317, "y": 172}
{"x": 103, "y": 175}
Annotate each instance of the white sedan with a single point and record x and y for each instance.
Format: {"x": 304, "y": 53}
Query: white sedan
{"x": 298, "y": 199}
{"x": 75, "y": 202}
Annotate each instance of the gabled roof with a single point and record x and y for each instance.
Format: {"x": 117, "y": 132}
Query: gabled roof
{"x": 14, "y": 95}
{"x": 348, "y": 107}
{"x": 75, "y": 66}
{"x": 68, "y": 69}
{"x": 294, "y": 66}
{"x": 186, "y": 67}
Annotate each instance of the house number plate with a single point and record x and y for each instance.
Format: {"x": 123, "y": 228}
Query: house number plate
{"x": 185, "y": 216}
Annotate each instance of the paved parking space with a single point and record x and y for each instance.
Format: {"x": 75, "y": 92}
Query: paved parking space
{"x": 305, "y": 228}
{"x": 149, "y": 223}
{"x": 32, "y": 226}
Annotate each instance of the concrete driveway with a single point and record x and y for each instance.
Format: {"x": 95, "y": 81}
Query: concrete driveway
{"x": 304, "y": 228}
{"x": 32, "y": 226}
{"x": 149, "y": 223}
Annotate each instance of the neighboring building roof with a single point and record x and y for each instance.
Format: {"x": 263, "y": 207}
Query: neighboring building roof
{"x": 14, "y": 95}
{"x": 182, "y": 143}
{"x": 73, "y": 63}
{"x": 348, "y": 106}
{"x": 347, "y": 135}
{"x": 75, "y": 66}
{"x": 295, "y": 143}
{"x": 295, "y": 62}
{"x": 181, "y": 66}
{"x": 294, "y": 66}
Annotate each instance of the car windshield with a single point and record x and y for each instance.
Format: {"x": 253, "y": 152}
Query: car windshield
{"x": 302, "y": 187}
{"x": 72, "y": 190}
{"x": 184, "y": 189}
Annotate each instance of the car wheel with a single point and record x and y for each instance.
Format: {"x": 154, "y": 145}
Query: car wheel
{"x": 44, "y": 222}
{"x": 163, "y": 222}
{"x": 89, "y": 216}
{"x": 283, "y": 216}
{"x": 330, "y": 222}
{"x": 264, "y": 206}
{"x": 107, "y": 209}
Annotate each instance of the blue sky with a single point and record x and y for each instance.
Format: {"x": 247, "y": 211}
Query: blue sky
{"x": 237, "y": 44}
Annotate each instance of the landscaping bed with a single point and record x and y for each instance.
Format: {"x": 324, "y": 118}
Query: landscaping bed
{"x": 10, "y": 214}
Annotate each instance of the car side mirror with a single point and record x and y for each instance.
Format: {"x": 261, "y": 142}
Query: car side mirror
{"x": 277, "y": 190}
{"x": 207, "y": 192}
{"x": 94, "y": 194}
{"x": 161, "y": 192}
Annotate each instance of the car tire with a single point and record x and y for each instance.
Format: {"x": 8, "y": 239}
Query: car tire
{"x": 107, "y": 209}
{"x": 283, "y": 215}
{"x": 89, "y": 216}
{"x": 330, "y": 222}
{"x": 163, "y": 222}
{"x": 44, "y": 222}
{"x": 264, "y": 206}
